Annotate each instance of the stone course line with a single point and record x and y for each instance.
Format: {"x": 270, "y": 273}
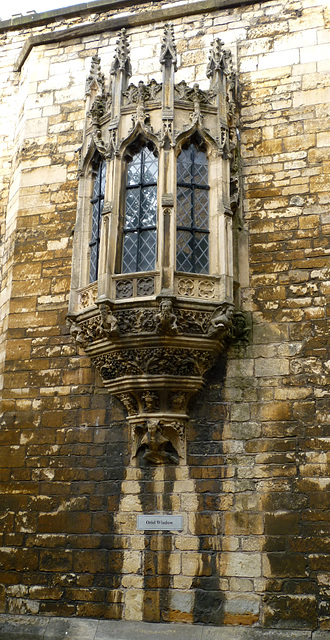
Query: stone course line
{"x": 44, "y": 628}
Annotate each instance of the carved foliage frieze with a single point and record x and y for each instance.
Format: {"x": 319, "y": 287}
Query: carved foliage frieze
{"x": 154, "y": 361}
{"x": 142, "y": 92}
{"x": 223, "y": 324}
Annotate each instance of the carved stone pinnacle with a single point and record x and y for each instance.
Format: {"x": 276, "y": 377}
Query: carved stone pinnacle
{"x": 121, "y": 59}
{"x": 168, "y": 48}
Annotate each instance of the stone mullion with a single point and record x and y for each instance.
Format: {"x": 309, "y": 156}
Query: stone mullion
{"x": 114, "y": 247}
{"x": 166, "y": 218}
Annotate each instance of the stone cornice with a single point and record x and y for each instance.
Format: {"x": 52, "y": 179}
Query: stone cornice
{"x": 112, "y": 24}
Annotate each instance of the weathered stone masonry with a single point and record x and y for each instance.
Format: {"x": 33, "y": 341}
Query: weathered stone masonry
{"x": 254, "y": 486}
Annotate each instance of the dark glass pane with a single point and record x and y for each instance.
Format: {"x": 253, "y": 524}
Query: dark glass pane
{"x": 93, "y": 263}
{"x": 97, "y": 206}
{"x": 192, "y": 211}
{"x": 95, "y": 221}
{"x": 139, "y": 253}
{"x": 103, "y": 176}
{"x": 134, "y": 170}
{"x": 150, "y": 167}
{"x": 130, "y": 252}
{"x": 184, "y": 207}
{"x": 148, "y": 207}
{"x": 147, "y": 251}
{"x": 184, "y": 251}
{"x": 201, "y": 208}
{"x": 201, "y": 252}
{"x": 132, "y": 208}
{"x": 200, "y": 168}
{"x": 96, "y": 185}
{"x": 184, "y": 166}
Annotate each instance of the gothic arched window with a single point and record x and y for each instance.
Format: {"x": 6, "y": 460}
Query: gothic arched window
{"x": 192, "y": 211}
{"x": 140, "y": 223}
{"x": 97, "y": 201}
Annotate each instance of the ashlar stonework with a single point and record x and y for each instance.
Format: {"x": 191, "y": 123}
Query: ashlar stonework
{"x": 252, "y": 478}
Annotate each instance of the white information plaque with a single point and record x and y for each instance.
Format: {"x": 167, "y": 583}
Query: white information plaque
{"x": 159, "y": 523}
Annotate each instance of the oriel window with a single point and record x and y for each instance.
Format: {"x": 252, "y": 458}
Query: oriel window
{"x": 192, "y": 211}
{"x": 140, "y": 224}
{"x": 97, "y": 201}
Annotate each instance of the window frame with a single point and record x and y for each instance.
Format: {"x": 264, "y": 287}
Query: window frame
{"x": 99, "y": 171}
{"x": 135, "y": 149}
{"x": 193, "y": 229}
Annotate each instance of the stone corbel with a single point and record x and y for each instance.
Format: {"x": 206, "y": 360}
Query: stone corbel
{"x": 159, "y": 440}
{"x": 108, "y": 322}
{"x": 166, "y": 321}
{"x": 221, "y": 321}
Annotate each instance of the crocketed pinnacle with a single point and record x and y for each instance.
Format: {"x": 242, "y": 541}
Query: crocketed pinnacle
{"x": 168, "y": 48}
{"x": 121, "y": 59}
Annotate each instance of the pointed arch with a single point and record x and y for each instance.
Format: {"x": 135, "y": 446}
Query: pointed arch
{"x": 140, "y": 134}
{"x": 200, "y": 137}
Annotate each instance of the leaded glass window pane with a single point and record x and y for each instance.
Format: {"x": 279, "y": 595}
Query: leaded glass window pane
{"x": 132, "y": 208}
{"x": 184, "y": 251}
{"x": 130, "y": 252}
{"x": 150, "y": 167}
{"x": 201, "y": 252}
{"x": 133, "y": 171}
{"x": 200, "y": 168}
{"x": 140, "y": 237}
{"x": 201, "y": 208}
{"x": 192, "y": 211}
{"x": 148, "y": 207}
{"x": 97, "y": 202}
{"x": 147, "y": 250}
{"x": 184, "y": 206}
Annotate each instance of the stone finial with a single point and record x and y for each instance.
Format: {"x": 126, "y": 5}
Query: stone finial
{"x": 168, "y": 48}
{"x": 121, "y": 59}
{"x": 216, "y": 58}
{"x": 95, "y": 76}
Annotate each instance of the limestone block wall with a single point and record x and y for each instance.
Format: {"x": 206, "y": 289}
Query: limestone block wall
{"x": 254, "y": 488}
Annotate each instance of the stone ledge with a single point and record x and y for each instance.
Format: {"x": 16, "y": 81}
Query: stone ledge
{"x": 134, "y": 19}
{"x": 47, "y": 628}
{"x": 98, "y": 6}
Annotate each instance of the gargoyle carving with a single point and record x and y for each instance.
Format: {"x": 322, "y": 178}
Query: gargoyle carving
{"x": 221, "y": 319}
{"x": 166, "y": 319}
{"x": 161, "y": 441}
{"x": 108, "y": 322}
{"x": 77, "y": 332}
